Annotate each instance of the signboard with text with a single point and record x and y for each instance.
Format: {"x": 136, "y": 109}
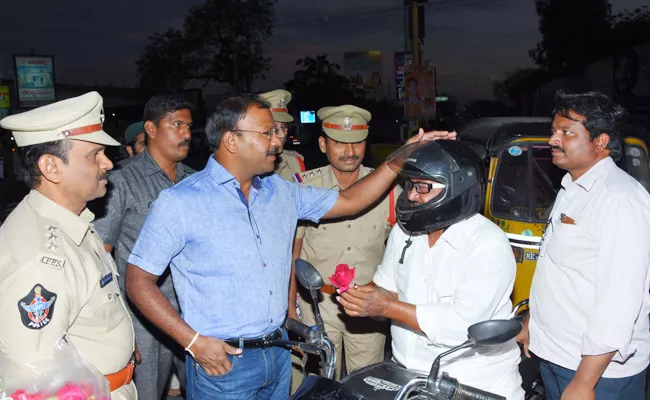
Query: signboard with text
{"x": 5, "y": 101}
{"x": 401, "y": 59}
{"x": 364, "y": 69}
{"x": 419, "y": 92}
{"x": 34, "y": 80}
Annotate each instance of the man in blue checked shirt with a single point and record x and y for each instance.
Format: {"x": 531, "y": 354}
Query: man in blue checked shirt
{"x": 227, "y": 233}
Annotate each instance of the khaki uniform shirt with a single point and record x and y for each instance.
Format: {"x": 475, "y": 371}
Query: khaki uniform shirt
{"x": 289, "y": 164}
{"x": 56, "y": 278}
{"x": 359, "y": 242}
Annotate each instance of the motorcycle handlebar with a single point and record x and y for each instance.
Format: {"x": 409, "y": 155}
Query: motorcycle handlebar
{"x": 464, "y": 392}
{"x": 297, "y": 327}
{"x": 447, "y": 388}
{"x": 316, "y": 343}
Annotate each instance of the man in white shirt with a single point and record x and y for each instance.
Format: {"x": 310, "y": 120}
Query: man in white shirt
{"x": 446, "y": 267}
{"x": 589, "y": 299}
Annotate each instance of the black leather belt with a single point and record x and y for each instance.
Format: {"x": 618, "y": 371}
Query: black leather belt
{"x": 255, "y": 342}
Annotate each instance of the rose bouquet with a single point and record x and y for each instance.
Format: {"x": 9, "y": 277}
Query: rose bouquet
{"x": 66, "y": 376}
{"x": 69, "y": 391}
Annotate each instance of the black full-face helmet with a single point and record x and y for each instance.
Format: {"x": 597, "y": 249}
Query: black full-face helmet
{"x": 452, "y": 163}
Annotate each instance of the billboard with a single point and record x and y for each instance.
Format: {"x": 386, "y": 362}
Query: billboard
{"x": 307, "y": 117}
{"x": 364, "y": 68}
{"x": 5, "y": 100}
{"x": 34, "y": 80}
{"x": 400, "y": 60}
{"x": 419, "y": 92}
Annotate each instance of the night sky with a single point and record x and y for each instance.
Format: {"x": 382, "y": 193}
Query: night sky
{"x": 471, "y": 42}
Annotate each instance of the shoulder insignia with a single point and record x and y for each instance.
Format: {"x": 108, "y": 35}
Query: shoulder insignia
{"x": 52, "y": 238}
{"x": 37, "y": 308}
{"x": 309, "y": 175}
{"x": 297, "y": 178}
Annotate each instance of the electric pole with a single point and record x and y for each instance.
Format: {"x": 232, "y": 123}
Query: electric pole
{"x": 415, "y": 34}
{"x": 415, "y": 50}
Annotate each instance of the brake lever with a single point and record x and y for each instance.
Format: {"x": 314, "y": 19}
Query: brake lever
{"x": 310, "y": 348}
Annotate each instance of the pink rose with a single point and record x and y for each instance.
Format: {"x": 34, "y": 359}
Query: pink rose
{"x": 342, "y": 277}
{"x": 22, "y": 395}
{"x": 18, "y": 395}
{"x": 71, "y": 392}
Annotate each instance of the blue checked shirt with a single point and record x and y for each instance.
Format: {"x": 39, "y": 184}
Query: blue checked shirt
{"x": 230, "y": 259}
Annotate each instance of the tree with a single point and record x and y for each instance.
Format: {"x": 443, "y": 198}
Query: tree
{"x": 510, "y": 90}
{"x": 220, "y": 41}
{"x": 507, "y": 91}
{"x": 574, "y": 33}
{"x": 163, "y": 65}
{"x": 319, "y": 82}
{"x": 632, "y": 27}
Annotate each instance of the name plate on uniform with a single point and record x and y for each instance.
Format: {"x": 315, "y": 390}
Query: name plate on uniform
{"x": 50, "y": 260}
{"x": 106, "y": 279}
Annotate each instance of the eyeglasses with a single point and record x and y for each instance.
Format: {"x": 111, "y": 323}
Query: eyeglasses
{"x": 284, "y": 128}
{"x": 281, "y": 132}
{"x": 423, "y": 187}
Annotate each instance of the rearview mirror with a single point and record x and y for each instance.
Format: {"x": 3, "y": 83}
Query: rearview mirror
{"x": 308, "y": 275}
{"x": 485, "y": 333}
{"x": 494, "y": 331}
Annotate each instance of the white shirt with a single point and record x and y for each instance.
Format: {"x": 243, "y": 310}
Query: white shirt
{"x": 465, "y": 278}
{"x": 590, "y": 289}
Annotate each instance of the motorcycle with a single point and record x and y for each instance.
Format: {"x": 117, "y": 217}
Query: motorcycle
{"x": 387, "y": 380}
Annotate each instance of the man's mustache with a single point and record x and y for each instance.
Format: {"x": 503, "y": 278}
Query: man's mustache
{"x": 185, "y": 143}
{"x": 558, "y": 148}
{"x": 349, "y": 158}
{"x": 273, "y": 152}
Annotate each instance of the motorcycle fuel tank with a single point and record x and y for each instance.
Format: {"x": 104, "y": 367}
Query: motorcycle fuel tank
{"x": 376, "y": 382}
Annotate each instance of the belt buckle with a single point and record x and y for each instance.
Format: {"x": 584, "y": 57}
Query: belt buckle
{"x": 275, "y": 335}
{"x": 266, "y": 339}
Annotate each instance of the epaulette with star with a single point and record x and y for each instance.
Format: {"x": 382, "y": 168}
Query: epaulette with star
{"x": 37, "y": 240}
{"x": 52, "y": 254}
{"x": 308, "y": 176}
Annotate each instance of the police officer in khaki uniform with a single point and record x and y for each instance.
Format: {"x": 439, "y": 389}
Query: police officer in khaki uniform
{"x": 55, "y": 277}
{"x": 289, "y": 163}
{"x": 358, "y": 242}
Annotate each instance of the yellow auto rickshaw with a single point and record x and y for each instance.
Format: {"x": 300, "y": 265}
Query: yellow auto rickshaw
{"x": 523, "y": 181}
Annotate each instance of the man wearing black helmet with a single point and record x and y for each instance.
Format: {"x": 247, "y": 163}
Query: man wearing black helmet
{"x": 445, "y": 268}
